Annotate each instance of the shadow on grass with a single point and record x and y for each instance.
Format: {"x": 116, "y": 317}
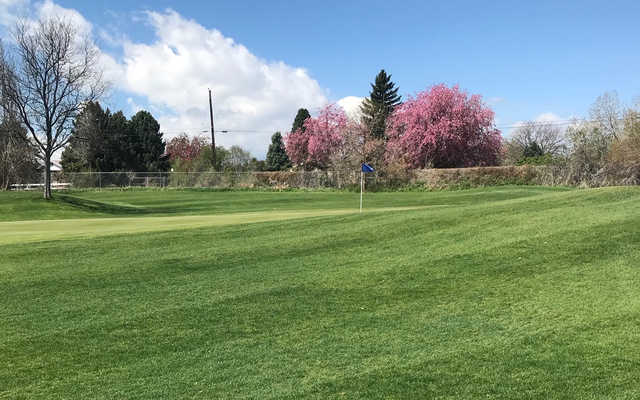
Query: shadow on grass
{"x": 107, "y": 208}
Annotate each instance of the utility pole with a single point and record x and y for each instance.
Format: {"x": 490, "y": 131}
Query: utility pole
{"x": 213, "y": 138}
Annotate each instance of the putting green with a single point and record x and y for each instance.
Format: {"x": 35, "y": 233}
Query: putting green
{"x": 41, "y": 230}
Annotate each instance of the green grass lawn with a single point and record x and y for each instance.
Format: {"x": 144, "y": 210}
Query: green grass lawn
{"x": 508, "y": 292}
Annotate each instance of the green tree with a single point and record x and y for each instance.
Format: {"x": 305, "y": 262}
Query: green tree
{"x": 533, "y": 149}
{"x": 298, "y": 122}
{"x": 102, "y": 141}
{"x": 222, "y": 155}
{"x": 119, "y": 153}
{"x": 277, "y": 159}
{"x": 533, "y": 154}
{"x": 87, "y": 143}
{"x": 257, "y": 165}
{"x": 375, "y": 109}
{"x": 148, "y": 143}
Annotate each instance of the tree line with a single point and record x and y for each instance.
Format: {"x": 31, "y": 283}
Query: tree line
{"x": 441, "y": 127}
{"x": 194, "y": 154}
{"x": 103, "y": 141}
{"x": 445, "y": 127}
{"x": 50, "y": 83}
{"x": 604, "y": 146}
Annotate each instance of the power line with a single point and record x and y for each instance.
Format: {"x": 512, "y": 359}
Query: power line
{"x": 505, "y": 126}
{"x": 178, "y": 131}
{"x": 249, "y": 131}
{"x": 556, "y": 122}
{"x": 510, "y": 126}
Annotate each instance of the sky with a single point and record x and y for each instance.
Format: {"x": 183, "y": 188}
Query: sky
{"x": 541, "y": 60}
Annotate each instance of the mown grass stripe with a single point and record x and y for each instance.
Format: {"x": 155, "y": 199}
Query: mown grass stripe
{"x": 44, "y": 230}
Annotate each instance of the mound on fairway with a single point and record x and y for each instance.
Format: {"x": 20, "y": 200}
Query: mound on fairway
{"x": 512, "y": 292}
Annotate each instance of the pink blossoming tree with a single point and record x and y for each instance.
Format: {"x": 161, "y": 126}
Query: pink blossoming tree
{"x": 183, "y": 148}
{"x": 313, "y": 145}
{"x": 443, "y": 127}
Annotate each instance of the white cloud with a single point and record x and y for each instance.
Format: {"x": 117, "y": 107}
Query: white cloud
{"x": 135, "y": 107}
{"x": 12, "y": 9}
{"x": 186, "y": 59}
{"x": 112, "y": 70}
{"x": 351, "y": 106}
{"x": 541, "y": 118}
{"x": 548, "y": 117}
{"x": 173, "y": 73}
{"x": 10, "y": 3}
{"x": 49, "y": 9}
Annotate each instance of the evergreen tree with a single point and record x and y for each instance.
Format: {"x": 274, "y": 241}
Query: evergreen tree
{"x": 301, "y": 116}
{"x": 106, "y": 142}
{"x": 277, "y": 159}
{"x": 87, "y": 142}
{"x": 118, "y": 153}
{"x": 379, "y": 105}
{"x": 533, "y": 149}
{"x": 147, "y": 142}
{"x": 100, "y": 141}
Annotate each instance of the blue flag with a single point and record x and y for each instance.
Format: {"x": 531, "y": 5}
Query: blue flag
{"x": 367, "y": 168}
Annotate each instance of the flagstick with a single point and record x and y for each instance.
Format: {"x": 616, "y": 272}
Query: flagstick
{"x": 361, "y": 188}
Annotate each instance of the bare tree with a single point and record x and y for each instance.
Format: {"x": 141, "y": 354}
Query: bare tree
{"x": 548, "y": 137}
{"x": 18, "y": 161}
{"x": 18, "y": 155}
{"x": 47, "y": 77}
{"x": 606, "y": 112}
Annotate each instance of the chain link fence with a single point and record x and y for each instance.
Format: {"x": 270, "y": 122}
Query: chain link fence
{"x": 222, "y": 180}
{"x": 427, "y": 179}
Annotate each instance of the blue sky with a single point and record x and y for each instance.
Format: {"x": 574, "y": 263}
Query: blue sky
{"x": 527, "y": 59}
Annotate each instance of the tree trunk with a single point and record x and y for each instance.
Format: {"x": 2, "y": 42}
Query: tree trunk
{"x": 47, "y": 176}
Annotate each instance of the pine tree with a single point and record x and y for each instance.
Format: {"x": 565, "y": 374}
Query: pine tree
{"x": 148, "y": 143}
{"x": 379, "y": 105}
{"x": 277, "y": 159}
{"x": 118, "y": 153}
{"x": 88, "y": 138}
{"x": 102, "y": 141}
{"x": 301, "y": 116}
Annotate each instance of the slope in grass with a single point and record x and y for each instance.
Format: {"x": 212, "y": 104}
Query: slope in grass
{"x": 15, "y": 206}
{"x": 500, "y": 296}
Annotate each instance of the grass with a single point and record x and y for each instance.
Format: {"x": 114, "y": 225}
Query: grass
{"x": 512, "y": 292}
{"x": 62, "y": 229}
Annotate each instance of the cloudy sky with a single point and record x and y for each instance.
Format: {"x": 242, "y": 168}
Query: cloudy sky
{"x": 263, "y": 60}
